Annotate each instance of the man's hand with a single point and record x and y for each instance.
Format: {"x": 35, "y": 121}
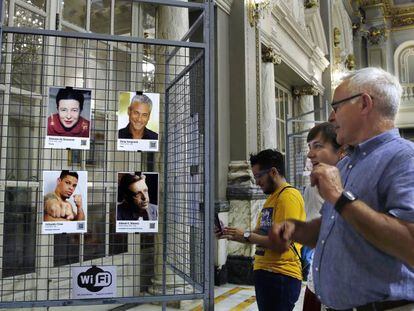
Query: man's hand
{"x": 233, "y": 234}
{"x": 78, "y": 200}
{"x": 281, "y": 235}
{"x": 58, "y": 209}
{"x": 328, "y": 181}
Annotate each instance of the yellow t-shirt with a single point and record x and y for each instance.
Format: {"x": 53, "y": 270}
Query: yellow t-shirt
{"x": 277, "y": 208}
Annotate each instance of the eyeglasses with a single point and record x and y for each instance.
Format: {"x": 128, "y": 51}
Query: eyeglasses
{"x": 335, "y": 105}
{"x": 261, "y": 173}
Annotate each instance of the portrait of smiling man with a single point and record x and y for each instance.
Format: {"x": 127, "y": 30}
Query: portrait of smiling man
{"x": 139, "y": 114}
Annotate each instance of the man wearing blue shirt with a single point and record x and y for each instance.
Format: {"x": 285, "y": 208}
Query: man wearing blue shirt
{"x": 364, "y": 255}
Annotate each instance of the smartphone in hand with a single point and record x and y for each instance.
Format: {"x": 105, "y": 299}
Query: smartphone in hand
{"x": 217, "y": 223}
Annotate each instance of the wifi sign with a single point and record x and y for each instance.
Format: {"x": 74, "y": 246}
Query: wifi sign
{"x": 92, "y": 282}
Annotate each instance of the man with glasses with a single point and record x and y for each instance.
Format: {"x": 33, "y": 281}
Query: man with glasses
{"x": 134, "y": 199}
{"x": 277, "y": 275}
{"x": 364, "y": 255}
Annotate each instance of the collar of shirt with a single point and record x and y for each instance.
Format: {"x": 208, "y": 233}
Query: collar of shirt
{"x": 372, "y": 143}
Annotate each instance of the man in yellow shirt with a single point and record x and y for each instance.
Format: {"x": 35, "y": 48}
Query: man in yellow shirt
{"x": 277, "y": 276}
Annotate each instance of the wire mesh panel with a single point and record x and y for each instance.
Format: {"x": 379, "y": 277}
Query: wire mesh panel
{"x": 168, "y": 265}
{"x": 184, "y": 171}
{"x": 297, "y": 149}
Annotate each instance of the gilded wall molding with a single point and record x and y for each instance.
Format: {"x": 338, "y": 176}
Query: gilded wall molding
{"x": 376, "y": 35}
{"x": 270, "y": 56}
{"x": 305, "y": 90}
{"x": 402, "y": 21}
{"x": 311, "y": 4}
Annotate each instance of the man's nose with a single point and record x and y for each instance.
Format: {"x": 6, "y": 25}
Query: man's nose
{"x": 310, "y": 154}
{"x": 331, "y": 116}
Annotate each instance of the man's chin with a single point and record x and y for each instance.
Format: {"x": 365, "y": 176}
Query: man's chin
{"x": 145, "y": 207}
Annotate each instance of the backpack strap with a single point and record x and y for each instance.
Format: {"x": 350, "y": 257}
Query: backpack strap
{"x": 284, "y": 190}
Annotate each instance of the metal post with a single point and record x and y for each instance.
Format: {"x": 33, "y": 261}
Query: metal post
{"x": 209, "y": 155}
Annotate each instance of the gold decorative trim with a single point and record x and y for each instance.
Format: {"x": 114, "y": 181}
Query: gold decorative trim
{"x": 270, "y": 56}
{"x": 305, "y": 90}
{"x": 258, "y": 90}
{"x": 376, "y": 35}
{"x": 350, "y": 62}
{"x": 401, "y": 21}
{"x": 311, "y": 4}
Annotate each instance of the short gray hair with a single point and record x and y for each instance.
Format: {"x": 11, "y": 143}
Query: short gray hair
{"x": 143, "y": 99}
{"x": 384, "y": 88}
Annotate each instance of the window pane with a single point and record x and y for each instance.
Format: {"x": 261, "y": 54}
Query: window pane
{"x": 66, "y": 249}
{"x": 41, "y": 4}
{"x": 72, "y": 60}
{"x": 122, "y": 67}
{"x": 24, "y": 135}
{"x": 148, "y": 13}
{"x": 27, "y": 52}
{"x": 410, "y": 65}
{"x": 6, "y": 12}
{"x": 19, "y": 235}
{"x": 118, "y": 242}
{"x": 123, "y": 17}
{"x": 74, "y": 11}
{"x": 101, "y": 16}
{"x": 95, "y": 237}
{"x": 26, "y": 18}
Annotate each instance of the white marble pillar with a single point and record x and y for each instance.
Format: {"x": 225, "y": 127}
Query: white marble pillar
{"x": 269, "y": 59}
{"x": 304, "y": 102}
{"x": 172, "y": 24}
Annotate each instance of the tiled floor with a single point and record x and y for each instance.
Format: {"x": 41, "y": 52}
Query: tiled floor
{"x": 227, "y": 297}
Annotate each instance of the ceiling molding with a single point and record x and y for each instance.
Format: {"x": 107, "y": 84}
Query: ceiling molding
{"x": 399, "y": 15}
{"x": 225, "y": 5}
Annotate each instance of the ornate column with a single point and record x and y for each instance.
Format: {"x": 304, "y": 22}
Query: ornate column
{"x": 304, "y": 103}
{"x": 269, "y": 60}
{"x": 245, "y": 200}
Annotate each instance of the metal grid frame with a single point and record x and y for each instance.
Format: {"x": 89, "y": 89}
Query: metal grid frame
{"x": 185, "y": 162}
{"x": 296, "y": 145}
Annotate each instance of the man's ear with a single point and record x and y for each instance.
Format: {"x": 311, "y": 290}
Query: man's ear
{"x": 367, "y": 104}
{"x": 274, "y": 171}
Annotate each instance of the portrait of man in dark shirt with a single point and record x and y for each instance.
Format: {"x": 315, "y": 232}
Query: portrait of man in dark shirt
{"x": 139, "y": 113}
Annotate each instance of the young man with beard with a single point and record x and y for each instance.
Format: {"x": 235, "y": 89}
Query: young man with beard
{"x": 277, "y": 275}
{"x": 135, "y": 204}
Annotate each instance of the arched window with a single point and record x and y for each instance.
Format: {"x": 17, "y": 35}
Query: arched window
{"x": 404, "y": 68}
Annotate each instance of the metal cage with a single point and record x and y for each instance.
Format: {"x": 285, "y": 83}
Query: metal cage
{"x": 173, "y": 264}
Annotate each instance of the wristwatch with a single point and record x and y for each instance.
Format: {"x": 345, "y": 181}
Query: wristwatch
{"x": 345, "y": 198}
{"x": 246, "y": 235}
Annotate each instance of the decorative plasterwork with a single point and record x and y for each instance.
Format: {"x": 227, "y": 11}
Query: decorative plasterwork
{"x": 399, "y": 16}
{"x": 376, "y": 35}
{"x": 303, "y": 42}
{"x": 225, "y": 5}
{"x": 314, "y": 22}
{"x": 350, "y": 62}
{"x": 305, "y": 90}
{"x": 311, "y": 4}
{"x": 270, "y": 56}
{"x": 402, "y": 21}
